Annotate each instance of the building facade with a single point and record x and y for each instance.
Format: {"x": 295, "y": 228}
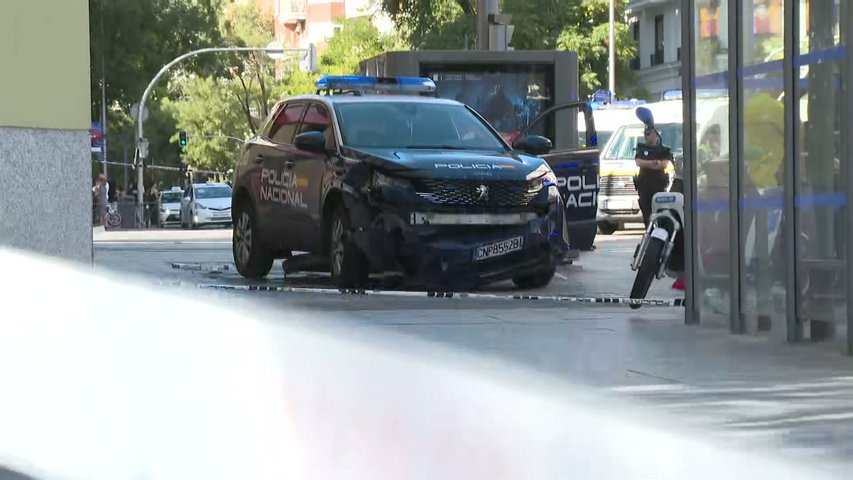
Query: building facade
{"x": 45, "y": 151}
{"x": 771, "y": 172}
{"x": 299, "y": 23}
{"x": 656, "y": 28}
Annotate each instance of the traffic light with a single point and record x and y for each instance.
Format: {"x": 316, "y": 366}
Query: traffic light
{"x": 182, "y": 139}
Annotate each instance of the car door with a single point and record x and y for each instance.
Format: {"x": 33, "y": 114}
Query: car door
{"x": 577, "y": 170}
{"x": 275, "y": 155}
{"x": 309, "y": 172}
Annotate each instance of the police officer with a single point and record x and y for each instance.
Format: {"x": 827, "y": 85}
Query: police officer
{"x": 653, "y": 159}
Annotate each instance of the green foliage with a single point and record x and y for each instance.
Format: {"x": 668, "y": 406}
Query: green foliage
{"x": 577, "y": 25}
{"x": 538, "y": 23}
{"x": 209, "y": 108}
{"x": 434, "y": 24}
{"x": 589, "y": 35}
{"x": 139, "y": 37}
{"x": 356, "y": 41}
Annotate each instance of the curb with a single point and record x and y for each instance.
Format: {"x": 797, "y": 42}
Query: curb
{"x": 678, "y": 302}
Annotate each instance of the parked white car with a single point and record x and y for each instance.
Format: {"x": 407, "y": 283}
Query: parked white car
{"x": 170, "y": 206}
{"x": 206, "y": 204}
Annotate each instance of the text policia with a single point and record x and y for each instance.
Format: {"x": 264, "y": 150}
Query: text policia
{"x": 581, "y": 193}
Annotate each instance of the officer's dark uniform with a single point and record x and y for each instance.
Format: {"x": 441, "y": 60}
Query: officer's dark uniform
{"x": 649, "y": 182}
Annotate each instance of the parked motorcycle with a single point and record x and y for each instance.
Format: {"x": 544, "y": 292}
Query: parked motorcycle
{"x": 653, "y": 257}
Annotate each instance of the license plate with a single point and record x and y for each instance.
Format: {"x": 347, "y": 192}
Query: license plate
{"x": 497, "y": 249}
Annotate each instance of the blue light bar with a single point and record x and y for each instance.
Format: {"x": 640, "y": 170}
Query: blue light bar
{"x": 412, "y": 85}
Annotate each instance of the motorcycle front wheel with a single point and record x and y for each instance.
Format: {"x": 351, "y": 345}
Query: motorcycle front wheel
{"x": 647, "y": 271}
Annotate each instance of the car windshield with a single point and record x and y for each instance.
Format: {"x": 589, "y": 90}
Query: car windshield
{"x": 213, "y": 192}
{"x": 414, "y": 125}
{"x": 624, "y": 143}
{"x": 171, "y": 197}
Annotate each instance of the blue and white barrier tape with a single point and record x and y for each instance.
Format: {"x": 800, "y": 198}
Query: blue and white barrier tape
{"x": 677, "y": 302}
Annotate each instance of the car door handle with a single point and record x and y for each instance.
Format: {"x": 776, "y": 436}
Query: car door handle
{"x": 259, "y": 159}
{"x": 289, "y": 163}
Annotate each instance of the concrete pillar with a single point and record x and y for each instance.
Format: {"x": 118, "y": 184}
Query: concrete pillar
{"x": 45, "y": 157}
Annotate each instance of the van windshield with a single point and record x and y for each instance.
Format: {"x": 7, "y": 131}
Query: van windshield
{"x": 624, "y": 142}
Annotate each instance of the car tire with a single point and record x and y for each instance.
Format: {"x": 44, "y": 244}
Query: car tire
{"x": 607, "y": 228}
{"x": 583, "y": 238}
{"x": 250, "y": 257}
{"x": 348, "y": 265}
{"x": 535, "y": 280}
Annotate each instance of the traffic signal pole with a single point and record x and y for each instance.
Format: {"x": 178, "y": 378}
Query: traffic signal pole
{"x": 142, "y": 143}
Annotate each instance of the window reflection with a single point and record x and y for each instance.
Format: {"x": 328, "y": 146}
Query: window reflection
{"x": 711, "y": 274}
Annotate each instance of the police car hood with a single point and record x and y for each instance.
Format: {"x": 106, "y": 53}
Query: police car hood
{"x": 440, "y": 163}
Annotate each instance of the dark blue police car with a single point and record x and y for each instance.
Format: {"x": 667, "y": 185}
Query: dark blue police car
{"x": 376, "y": 174}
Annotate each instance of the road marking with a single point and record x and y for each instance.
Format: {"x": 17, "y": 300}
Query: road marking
{"x": 561, "y": 276}
{"x": 678, "y": 302}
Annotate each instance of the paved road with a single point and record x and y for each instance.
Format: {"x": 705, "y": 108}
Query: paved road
{"x": 603, "y": 272}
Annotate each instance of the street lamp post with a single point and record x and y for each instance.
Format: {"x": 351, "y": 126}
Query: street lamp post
{"x": 612, "y": 63}
{"x": 141, "y": 150}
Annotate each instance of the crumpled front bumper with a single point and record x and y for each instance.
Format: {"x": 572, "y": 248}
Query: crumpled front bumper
{"x": 443, "y": 256}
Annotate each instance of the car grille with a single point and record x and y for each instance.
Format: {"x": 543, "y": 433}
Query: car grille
{"x": 617, "y": 185}
{"x": 502, "y": 193}
{"x": 220, "y": 209}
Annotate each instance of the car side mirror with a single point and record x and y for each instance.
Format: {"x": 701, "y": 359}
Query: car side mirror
{"x": 314, "y": 142}
{"x": 534, "y": 145}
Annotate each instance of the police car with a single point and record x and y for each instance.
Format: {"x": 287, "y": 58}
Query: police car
{"x": 377, "y": 174}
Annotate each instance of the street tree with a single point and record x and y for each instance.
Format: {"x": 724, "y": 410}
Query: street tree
{"x": 253, "y": 73}
{"x": 210, "y": 112}
{"x": 588, "y": 34}
{"x": 136, "y": 38}
{"x": 357, "y": 40}
{"x": 434, "y": 24}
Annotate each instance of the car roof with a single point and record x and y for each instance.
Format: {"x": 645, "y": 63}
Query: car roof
{"x": 373, "y": 98}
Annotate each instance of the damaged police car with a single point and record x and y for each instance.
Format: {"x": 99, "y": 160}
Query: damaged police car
{"x": 375, "y": 174}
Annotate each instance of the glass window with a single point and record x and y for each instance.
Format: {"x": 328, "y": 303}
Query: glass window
{"x": 213, "y": 192}
{"x": 284, "y": 125}
{"x": 762, "y": 169}
{"x": 657, "y": 57}
{"x": 625, "y": 142}
{"x": 317, "y": 119}
{"x": 819, "y": 186}
{"x": 170, "y": 197}
{"x": 397, "y": 124}
{"x": 712, "y": 282}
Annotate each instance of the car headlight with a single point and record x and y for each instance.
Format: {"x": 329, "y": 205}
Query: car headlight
{"x": 198, "y": 205}
{"x": 382, "y": 180}
{"x": 542, "y": 177}
{"x": 166, "y": 211}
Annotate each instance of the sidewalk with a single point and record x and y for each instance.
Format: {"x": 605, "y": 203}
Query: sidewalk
{"x": 797, "y": 398}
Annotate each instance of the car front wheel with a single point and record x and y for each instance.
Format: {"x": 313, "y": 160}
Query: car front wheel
{"x": 348, "y": 265}
{"x": 250, "y": 257}
{"x": 535, "y": 280}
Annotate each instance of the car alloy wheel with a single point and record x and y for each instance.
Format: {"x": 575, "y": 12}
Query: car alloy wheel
{"x": 243, "y": 238}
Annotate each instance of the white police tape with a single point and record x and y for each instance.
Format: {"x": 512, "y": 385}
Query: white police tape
{"x": 677, "y": 302}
